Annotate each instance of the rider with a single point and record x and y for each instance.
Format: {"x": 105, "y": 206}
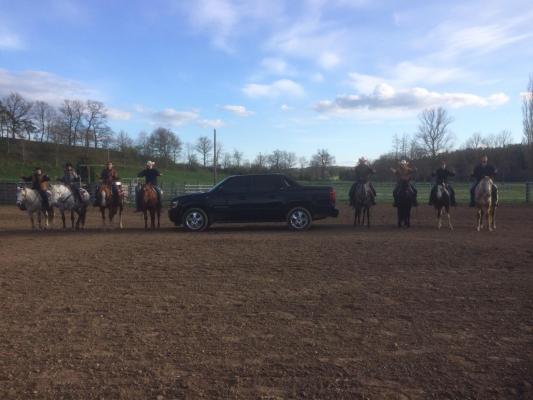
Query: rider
{"x": 442, "y": 174}
{"x": 404, "y": 173}
{"x": 362, "y": 175}
{"x": 150, "y": 175}
{"x": 39, "y": 182}
{"x": 71, "y": 179}
{"x": 109, "y": 176}
{"x": 482, "y": 170}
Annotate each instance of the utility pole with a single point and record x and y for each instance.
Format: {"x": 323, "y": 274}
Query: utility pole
{"x": 214, "y": 157}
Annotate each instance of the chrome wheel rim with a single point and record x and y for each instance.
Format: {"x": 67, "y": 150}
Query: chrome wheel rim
{"x": 194, "y": 220}
{"x": 299, "y": 219}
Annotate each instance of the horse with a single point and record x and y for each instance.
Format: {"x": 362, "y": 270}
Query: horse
{"x": 149, "y": 203}
{"x": 30, "y": 200}
{"x": 361, "y": 199}
{"x": 104, "y": 196}
{"x": 405, "y": 201}
{"x": 61, "y": 196}
{"x": 485, "y": 204}
{"x": 442, "y": 203}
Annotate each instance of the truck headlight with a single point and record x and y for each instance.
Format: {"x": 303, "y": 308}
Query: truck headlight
{"x": 174, "y": 204}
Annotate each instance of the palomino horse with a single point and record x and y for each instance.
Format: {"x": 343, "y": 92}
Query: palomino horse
{"x": 149, "y": 203}
{"x": 61, "y": 196}
{"x": 104, "y": 196}
{"x": 406, "y": 199}
{"x": 361, "y": 199}
{"x": 30, "y": 200}
{"x": 485, "y": 204}
{"x": 442, "y": 203}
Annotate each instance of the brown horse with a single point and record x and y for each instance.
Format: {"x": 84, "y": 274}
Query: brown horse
{"x": 104, "y": 196}
{"x": 149, "y": 203}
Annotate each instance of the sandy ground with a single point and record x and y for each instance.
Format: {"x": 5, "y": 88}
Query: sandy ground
{"x": 259, "y": 312}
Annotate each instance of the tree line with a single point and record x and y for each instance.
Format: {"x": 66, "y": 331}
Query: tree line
{"x": 84, "y": 123}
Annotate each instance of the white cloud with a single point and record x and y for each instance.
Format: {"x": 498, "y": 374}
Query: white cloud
{"x": 173, "y": 118}
{"x": 285, "y": 107}
{"x": 279, "y": 88}
{"x": 317, "y": 77}
{"x": 385, "y": 98}
{"x": 328, "y": 60}
{"x": 211, "y": 123}
{"x": 118, "y": 115}
{"x": 241, "y": 111}
{"x": 10, "y": 41}
{"x": 44, "y": 86}
{"x": 276, "y": 66}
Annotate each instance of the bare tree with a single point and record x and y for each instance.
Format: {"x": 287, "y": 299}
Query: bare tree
{"x": 527, "y": 114}
{"x": 322, "y": 160}
{"x": 275, "y": 160}
{"x": 95, "y": 119}
{"x": 290, "y": 160}
{"x": 302, "y": 161}
{"x": 72, "y": 112}
{"x": 3, "y": 121}
{"x": 18, "y": 117}
{"x": 165, "y": 144}
{"x": 433, "y": 131}
{"x": 45, "y": 116}
{"x": 475, "y": 141}
{"x": 504, "y": 138}
{"x": 237, "y": 157}
{"x": 204, "y": 145}
{"x": 260, "y": 161}
{"x": 190, "y": 155}
{"x": 227, "y": 160}
{"x": 123, "y": 141}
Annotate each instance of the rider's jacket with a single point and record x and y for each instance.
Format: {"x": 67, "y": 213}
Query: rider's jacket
{"x": 109, "y": 176}
{"x": 482, "y": 171}
{"x": 38, "y": 182}
{"x": 70, "y": 177}
{"x": 404, "y": 173}
{"x": 150, "y": 175}
{"x": 442, "y": 175}
{"x": 363, "y": 172}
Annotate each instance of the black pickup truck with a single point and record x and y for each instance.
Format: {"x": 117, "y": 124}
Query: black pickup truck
{"x": 254, "y": 198}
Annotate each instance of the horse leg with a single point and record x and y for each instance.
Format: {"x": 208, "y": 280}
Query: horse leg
{"x": 102, "y": 212}
{"x": 368, "y": 217}
{"x": 145, "y": 213}
{"x": 152, "y": 218}
{"x": 121, "y": 225}
{"x": 39, "y": 220}
{"x": 71, "y": 219}
{"x": 489, "y": 218}
{"x": 439, "y": 217}
{"x": 494, "y": 218}
{"x": 449, "y": 218}
{"x": 158, "y": 217}
{"x": 399, "y": 211}
{"x": 30, "y": 213}
{"x": 408, "y": 217}
{"x": 479, "y": 217}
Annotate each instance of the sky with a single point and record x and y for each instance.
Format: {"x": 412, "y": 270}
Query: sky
{"x": 296, "y": 75}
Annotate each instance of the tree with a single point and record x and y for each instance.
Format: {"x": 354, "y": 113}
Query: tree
{"x": 45, "y": 116}
{"x": 504, "y": 138}
{"x": 123, "y": 141}
{"x": 204, "y": 145}
{"x": 17, "y": 115}
{"x": 164, "y": 144}
{"x": 321, "y": 161}
{"x": 72, "y": 112}
{"x": 190, "y": 155}
{"x": 290, "y": 159}
{"x": 227, "y": 160}
{"x": 260, "y": 161}
{"x": 475, "y": 141}
{"x": 527, "y": 114}
{"x": 3, "y": 121}
{"x": 95, "y": 119}
{"x": 400, "y": 146}
{"x": 275, "y": 160}
{"x": 433, "y": 131}
{"x": 237, "y": 157}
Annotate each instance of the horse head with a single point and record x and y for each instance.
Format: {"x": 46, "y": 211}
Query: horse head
{"x": 21, "y": 197}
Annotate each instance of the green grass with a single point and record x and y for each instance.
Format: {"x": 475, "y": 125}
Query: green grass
{"x": 508, "y": 192}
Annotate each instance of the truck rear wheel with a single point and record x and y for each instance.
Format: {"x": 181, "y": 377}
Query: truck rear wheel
{"x": 299, "y": 219}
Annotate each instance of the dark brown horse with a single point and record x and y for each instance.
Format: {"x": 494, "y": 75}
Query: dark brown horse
{"x": 104, "y": 196}
{"x": 149, "y": 203}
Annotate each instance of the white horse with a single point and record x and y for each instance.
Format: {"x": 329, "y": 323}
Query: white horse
{"x": 485, "y": 205}
{"x": 61, "y": 196}
{"x": 30, "y": 200}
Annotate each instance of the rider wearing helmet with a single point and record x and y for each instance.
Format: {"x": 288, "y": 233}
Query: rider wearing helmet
{"x": 482, "y": 170}
{"x": 404, "y": 172}
{"x": 71, "y": 179}
{"x": 109, "y": 176}
{"x": 39, "y": 182}
{"x": 150, "y": 175}
{"x": 442, "y": 174}
{"x": 362, "y": 175}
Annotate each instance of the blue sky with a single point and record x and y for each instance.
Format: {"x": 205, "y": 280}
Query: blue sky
{"x": 345, "y": 75}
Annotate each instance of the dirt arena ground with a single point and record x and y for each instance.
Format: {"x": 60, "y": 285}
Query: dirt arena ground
{"x": 263, "y": 313}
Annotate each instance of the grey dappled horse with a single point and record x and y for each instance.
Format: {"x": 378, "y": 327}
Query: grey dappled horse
{"x": 29, "y": 200}
{"x": 61, "y": 196}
